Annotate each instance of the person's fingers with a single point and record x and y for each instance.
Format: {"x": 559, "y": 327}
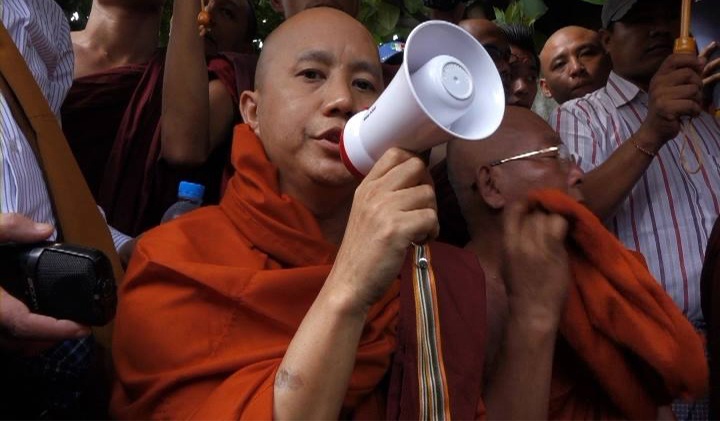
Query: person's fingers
{"x": 680, "y": 60}
{"x": 17, "y": 322}
{"x": 422, "y": 225}
{"x": 708, "y": 50}
{"x": 711, "y": 67}
{"x": 392, "y": 159}
{"x": 413, "y": 198}
{"x": 557, "y": 228}
{"x": 711, "y": 80}
{"x": 18, "y": 228}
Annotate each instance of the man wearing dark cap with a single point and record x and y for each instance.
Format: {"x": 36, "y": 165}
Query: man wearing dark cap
{"x": 649, "y": 151}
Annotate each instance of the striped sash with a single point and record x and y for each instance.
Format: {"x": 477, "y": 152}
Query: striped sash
{"x": 434, "y": 397}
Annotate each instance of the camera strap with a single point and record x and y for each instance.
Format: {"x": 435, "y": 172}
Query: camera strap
{"x": 77, "y": 217}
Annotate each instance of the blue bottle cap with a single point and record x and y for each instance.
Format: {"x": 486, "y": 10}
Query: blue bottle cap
{"x": 191, "y": 191}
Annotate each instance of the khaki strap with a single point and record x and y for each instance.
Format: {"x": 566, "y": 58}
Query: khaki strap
{"x": 77, "y": 217}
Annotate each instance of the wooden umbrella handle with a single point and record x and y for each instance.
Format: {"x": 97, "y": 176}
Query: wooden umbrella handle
{"x": 685, "y": 44}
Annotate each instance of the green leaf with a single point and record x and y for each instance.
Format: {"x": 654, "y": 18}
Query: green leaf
{"x": 413, "y": 6}
{"x": 514, "y": 13}
{"x": 532, "y": 9}
{"x": 387, "y": 18}
{"x": 499, "y": 15}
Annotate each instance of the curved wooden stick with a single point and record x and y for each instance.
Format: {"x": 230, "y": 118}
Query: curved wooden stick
{"x": 685, "y": 44}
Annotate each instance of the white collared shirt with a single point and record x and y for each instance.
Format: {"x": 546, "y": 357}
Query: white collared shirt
{"x": 42, "y": 35}
{"x": 669, "y": 213}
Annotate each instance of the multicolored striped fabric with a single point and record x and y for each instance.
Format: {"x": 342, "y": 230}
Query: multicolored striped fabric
{"x": 434, "y": 397}
{"x": 670, "y": 212}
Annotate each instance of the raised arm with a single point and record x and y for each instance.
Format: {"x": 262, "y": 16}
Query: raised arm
{"x": 394, "y": 206}
{"x": 675, "y": 91}
{"x": 197, "y": 115}
{"x": 537, "y": 275}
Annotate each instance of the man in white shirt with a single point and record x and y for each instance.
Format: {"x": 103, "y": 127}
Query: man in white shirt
{"x": 651, "y": 154}
{"x": 46, "y": 359}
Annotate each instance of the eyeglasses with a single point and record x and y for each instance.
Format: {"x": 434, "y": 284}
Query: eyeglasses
{"x": 563, "y": 155}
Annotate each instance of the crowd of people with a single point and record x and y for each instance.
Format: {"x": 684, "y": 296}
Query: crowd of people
{"x": 567, "y": 254}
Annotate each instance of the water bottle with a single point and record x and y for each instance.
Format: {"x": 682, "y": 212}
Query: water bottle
{"x": 190, "y": 196}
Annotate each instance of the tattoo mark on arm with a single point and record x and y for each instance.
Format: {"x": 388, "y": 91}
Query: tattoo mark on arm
{"x": 286, "y": 380}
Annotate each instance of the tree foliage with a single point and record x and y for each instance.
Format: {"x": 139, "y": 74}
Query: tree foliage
{"x": 384, "y": 18}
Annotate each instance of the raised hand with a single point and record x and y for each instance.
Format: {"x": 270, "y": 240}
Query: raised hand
{"x": 675, "y": 92}
{"x": 711, "y": 72}
{"x": 393, "y": 207}
{"x": 535, "y": 264}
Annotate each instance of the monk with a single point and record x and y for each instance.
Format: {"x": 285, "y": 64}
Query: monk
{"x": 496, "y": 43}
{"x": 112, "y": 114}
{"x": 284, "y": 301}
{"x": 199, "y": 127}
{"x": 494, "y": 179}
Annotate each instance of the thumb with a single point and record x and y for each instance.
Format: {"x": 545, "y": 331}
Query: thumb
{"x": 18, "y": 228}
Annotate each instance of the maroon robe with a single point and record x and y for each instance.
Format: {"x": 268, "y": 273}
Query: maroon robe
{"x": 112, "y": 122}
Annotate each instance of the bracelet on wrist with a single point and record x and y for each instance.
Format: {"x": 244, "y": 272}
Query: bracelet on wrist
{"x": 649, "y": 153}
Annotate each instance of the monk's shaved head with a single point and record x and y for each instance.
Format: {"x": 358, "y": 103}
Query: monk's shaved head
{"x": 298, "y": 27}
{"x": 519, "y": 131}
{"x": 316, "y": 70}
{"x": 484, "y": 188}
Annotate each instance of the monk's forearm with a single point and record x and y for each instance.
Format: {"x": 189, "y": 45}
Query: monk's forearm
{"x": 608, "y": 185}
{"x": 186, "y": 104}
{"x": 313, "y": 377}
{"x": 520, "y": 384}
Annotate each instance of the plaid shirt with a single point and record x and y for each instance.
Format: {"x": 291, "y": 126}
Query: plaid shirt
{"x": 48, "y": 385}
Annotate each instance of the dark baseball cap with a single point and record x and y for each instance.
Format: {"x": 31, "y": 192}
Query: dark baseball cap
{"x": 614, "y": 10}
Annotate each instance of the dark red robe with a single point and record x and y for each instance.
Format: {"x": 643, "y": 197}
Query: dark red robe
{"x": 112, "y": 122}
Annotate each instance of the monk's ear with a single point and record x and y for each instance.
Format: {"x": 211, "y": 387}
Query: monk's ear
{"x": 249, "y": 110}
{"x": 545, "y": 88}
{"x": 486, "y": 180}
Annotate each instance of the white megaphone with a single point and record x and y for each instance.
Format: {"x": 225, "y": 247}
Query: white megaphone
{"x": 448, "y": 87}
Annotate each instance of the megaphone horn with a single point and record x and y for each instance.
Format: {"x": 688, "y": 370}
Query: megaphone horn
{"x": 448, "y": 87}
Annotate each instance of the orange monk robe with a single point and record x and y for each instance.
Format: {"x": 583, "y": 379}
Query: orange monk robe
{"x": 212, "y": 300}
{"x": 625, "y": 341}
{"x": 209, "y": 348}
